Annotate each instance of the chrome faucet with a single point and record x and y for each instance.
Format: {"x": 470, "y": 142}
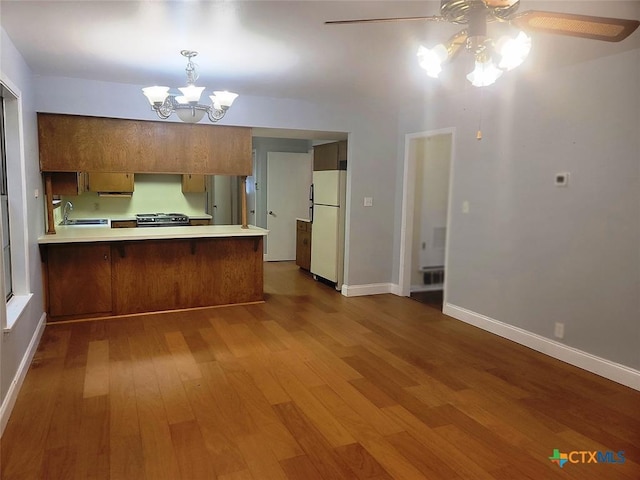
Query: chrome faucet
{"x": 68, "y": 207}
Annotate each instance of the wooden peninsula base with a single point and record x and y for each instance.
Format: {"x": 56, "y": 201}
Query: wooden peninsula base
{"x": 108, "y": 278}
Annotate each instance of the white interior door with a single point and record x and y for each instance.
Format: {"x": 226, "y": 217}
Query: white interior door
{"x": 288, "y": 181}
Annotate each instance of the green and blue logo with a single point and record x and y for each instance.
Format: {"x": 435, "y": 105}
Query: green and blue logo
{"x": 586, "y": 456}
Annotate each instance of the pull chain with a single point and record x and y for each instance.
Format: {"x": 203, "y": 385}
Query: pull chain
{"x": 479, "y": 132}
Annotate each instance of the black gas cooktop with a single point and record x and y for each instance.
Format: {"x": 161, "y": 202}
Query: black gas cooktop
{"x": 161, "y": 219}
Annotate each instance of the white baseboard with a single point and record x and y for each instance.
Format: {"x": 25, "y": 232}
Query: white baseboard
{"x": 578, "y": 358}
{"x": 368, "y": 289}
{"x": 21, "y": 373}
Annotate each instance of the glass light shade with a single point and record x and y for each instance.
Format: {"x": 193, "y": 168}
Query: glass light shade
{"x": 224, "y": 98}
{"x": 181, "y": 99}
{"x": 485, "y": 74}
{"x": 431, "y": 59}
{"x": 190, "y": 115}
{"x": 514, "y": 51}
{"x": 192, "y": 93}
{"x": 156, "y": 94}
{"x": 215, "y": 102}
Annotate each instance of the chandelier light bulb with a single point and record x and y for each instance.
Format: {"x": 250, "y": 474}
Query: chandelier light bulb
{"x": 486, "y": 73}
{"x": 431, "y": 59}
{"x": 514, "y": 51}
{"x": 192, "y": 93}
{"x": 225, "y": 98}
{"x": 156, "y": 94}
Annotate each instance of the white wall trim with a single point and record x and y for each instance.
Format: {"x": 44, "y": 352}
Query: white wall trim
{"x": 21, "y": 373}
{"x": 368, "y": 289}
{"x": 600, "y": 366}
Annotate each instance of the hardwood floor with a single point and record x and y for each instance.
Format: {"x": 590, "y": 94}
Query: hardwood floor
{"x": 309, "y": 385}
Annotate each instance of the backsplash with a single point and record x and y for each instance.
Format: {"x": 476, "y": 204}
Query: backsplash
{"x": 153, "y": 193}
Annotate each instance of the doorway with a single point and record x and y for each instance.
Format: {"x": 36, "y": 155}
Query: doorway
{"x": 289, "y": 177}
{"x": 428, "y": 160}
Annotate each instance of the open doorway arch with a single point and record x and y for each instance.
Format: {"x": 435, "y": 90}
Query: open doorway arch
{"x": 424, "y": 240}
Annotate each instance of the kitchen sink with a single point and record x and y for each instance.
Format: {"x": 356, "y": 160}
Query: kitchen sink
{"x": 86, "y": 222}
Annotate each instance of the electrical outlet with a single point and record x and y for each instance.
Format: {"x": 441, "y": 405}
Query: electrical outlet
{"x": 368, "y": 201}
{"x": 558, "y": 332}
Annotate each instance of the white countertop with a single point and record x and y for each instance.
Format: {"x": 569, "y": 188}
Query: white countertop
{"x": 75, "y": 234}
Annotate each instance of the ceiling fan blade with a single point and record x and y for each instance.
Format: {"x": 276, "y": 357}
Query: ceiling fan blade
{"x": 433, "y": 18}
{"x": 584, "y": 26}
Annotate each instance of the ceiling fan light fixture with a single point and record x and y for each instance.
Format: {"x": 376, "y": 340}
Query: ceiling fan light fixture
{"x": 513, "y": 51}
{"x": 431, "y": 59}
{"x": 486, "y": 73}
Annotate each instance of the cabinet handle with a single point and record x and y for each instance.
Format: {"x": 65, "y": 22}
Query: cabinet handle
{"x": 106, "y": 257}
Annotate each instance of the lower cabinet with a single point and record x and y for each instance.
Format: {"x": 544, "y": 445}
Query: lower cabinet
{"x": 79, "y": 279}
{"x": 117, "y": 278}
{"x": 303, "y": 244}
{"x": 194, "y": 222}
{"x": 124, "y": 224}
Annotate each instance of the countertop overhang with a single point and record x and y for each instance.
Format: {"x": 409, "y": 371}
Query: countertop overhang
{"x": 72, "y": 234}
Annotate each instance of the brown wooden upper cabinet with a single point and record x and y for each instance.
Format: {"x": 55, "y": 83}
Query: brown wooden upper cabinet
{"x": 330, "y": 156}
{"x": 74, "y": 143}
{"x": 68, "y": 183}
{"x": 193, "y": 183}
{"x": 108, "y": 182}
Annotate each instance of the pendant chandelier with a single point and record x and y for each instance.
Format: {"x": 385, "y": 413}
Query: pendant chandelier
{"x": 187, "y": 106}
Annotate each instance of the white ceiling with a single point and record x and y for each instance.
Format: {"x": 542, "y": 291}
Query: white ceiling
{"x": 265, "y": 48}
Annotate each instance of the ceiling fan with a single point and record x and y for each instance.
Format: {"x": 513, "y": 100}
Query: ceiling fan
{"x": 509, "y": 52}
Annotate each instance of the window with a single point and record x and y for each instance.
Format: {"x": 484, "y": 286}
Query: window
{"x": 4, "y": 206}
{"x": 14, "y": 261}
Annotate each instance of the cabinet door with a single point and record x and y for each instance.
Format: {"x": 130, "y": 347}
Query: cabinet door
{"x": 192, "y": 183}
{"x": 79, "y": 279}
{"x": 325, "y": 157}
{"x": 303, "y": 245}
{"x": 68, "y": 183}
{"x": 124, "y": 224}
{"x": 110, "y": 182}
{"x": 195, "y": 222}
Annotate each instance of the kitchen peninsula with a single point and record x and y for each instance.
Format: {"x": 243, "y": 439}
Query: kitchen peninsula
{"x": 92, "y": 271}
{"x": 100, "y": 272}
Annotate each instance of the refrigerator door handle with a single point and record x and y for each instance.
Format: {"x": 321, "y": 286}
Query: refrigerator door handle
{"x": 311, "y": 203}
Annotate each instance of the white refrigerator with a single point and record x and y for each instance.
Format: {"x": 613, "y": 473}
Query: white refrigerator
{"x": 327, "y": 229}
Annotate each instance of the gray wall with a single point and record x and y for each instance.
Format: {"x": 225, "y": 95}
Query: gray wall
{"x": 15, "y": 343}
{"x": 529, "y": 253}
